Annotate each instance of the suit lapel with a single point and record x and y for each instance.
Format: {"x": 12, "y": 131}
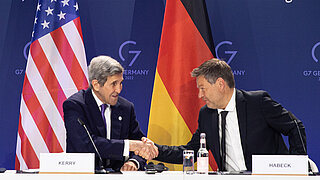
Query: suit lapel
{"x": 241, "y": 105}
{"x": 95, "y": 113}
{"x": 216, "y": 138}
{"x": 116, "y": 121}
{"x": 211, "y": 128}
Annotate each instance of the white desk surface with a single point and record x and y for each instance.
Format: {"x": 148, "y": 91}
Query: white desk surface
{"x": 140, "y": 175}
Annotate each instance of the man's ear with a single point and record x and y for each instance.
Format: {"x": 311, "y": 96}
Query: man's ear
{"x": 221, "y": 83}
{"x": 95, "y": 85}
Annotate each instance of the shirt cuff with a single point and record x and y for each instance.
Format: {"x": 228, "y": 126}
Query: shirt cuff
{"x": 136, "y": 162}
{"x": 126, "y": 148}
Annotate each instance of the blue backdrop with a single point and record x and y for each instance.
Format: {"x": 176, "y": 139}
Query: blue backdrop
{"x": 270, "y": 44}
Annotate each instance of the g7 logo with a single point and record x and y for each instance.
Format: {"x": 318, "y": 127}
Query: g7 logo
{"x": 233, "y": 53}
{"x": 130, "y": 52}
{"x": 312, "y": 52}
{"x": 26, "y": 50}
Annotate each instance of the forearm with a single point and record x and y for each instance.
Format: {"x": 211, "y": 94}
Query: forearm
{"x": 170, "y": 154}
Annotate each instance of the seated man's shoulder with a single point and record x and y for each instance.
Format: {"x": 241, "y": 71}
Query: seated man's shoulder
{"x": 77, "y": 97}
{"x": 256, "y": 93}
{"x": 124, "y": 102}
{"x": 206, "y": 109}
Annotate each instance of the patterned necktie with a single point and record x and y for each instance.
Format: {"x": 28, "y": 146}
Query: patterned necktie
{"x": 103, "y": 109}
{"x": 223, "y": 140}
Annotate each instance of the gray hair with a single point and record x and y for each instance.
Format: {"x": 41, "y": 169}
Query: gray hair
{"x": 213, "y": 69}
{"x": 101, "y": 67}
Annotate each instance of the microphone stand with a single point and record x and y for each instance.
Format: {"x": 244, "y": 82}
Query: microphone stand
{"x": 301, "y": 139}
{"x": 102, "y": 169}
{"x": 299, "y": 133}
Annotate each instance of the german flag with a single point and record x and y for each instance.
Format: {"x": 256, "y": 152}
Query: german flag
{"x": 186, "y": 42}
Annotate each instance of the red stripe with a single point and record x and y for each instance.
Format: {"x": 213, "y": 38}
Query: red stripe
{"x": 78, "y": 25}
{"x": 212, "y": 161}
{"x": 182, "y": 49}
{"x": 27, "y": 151}
{"x": 40, "y": 118}
{"x": 69, "y": 58}
{"x": 17, "y": 164}
{"x": 48, "y": 75}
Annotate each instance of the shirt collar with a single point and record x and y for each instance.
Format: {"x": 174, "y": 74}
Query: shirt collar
{"x": 98, "y": 101}
{"x": 232, "y": 103}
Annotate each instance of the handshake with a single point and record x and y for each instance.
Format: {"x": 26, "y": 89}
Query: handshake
{"x": 144, "y": 148}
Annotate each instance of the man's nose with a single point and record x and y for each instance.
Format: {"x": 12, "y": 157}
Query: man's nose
{"x": 118, "y": 89}
{"x": 200, "y": 94}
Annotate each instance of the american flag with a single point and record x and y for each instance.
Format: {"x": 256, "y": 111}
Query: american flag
{"x": 56, "y": 69}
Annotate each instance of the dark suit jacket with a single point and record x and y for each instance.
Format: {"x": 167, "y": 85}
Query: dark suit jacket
{"x": 123, "y": 126}
{"x": 261, "y": 123}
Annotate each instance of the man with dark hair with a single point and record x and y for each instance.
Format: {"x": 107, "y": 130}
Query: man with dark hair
{"x": 110, "y": 119}
{"x": 254, "y": 122}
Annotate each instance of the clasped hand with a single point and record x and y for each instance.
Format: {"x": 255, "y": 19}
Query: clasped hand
{"x": 144, "y": 148}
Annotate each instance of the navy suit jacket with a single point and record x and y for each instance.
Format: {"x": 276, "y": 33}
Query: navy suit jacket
{"x": 261, "y": 122}
{"x": 123, "y": 126}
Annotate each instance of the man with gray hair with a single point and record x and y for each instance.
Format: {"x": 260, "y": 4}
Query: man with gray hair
{"x": 237, "y": 123}
{"x": 110, "y": 119}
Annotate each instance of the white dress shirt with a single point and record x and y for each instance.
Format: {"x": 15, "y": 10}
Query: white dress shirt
{"x": 234, "y": 154}
{"x": 107, "y": 115}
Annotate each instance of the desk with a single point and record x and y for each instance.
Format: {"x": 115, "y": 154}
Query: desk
{"x": 169, "y": 175}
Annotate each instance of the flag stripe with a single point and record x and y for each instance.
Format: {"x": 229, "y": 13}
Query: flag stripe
{"x": 197, "y": 11}
{"x": 162, "y": 102}
{"x": 47, "y": 74}
{"x": 37, "y": 113}
{"x": 31, "y": 130}
{"x": 78, "y": 26}
{"x": 161, "y": 130}
{"x": 212, "y": 162}
{"x": 17, "y": 165}
{"x": 19, "y": 159}
{"x": 56, "y": 62}
{"x": 27, "y": 153}
{"x": 48, "y": 106}
{"x": 69, "y": 57}
{"x": 182, "y": 48}
{"x": 185, "y": 56}
{"x": 74, "y": 36}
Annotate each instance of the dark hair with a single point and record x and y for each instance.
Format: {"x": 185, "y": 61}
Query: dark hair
{"x": 213, "y": 69}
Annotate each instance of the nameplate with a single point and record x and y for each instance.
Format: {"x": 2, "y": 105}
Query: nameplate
{"x": 79, "y": 163}
{"x": 280, "y": 165}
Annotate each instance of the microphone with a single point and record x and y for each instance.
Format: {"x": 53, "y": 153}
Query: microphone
{"x": 297, "y": 126}
{"x": 102, "y": 168}
{"x": 2, "y": 170}
{"x": 294, "y": 118}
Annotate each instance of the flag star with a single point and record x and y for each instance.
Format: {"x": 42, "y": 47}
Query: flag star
{"x": 61, "y": 15}
{"x": 76, "y": 6}
{"x": 45, "y": 24}
{"x": 35, "y": 20}
{"x": 38, "y": 7}
{"x": 53, "y": 0}
{"x": 65, "y": 2}
{"x": 32, "y": 34}
{"x": 49, "y": 11}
